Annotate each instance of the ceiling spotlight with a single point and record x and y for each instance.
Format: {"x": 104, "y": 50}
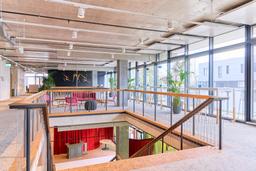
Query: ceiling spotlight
{"x": 113, "y": 56}
{"x": 68, "y": 53}
{"x": 70, "y": 46}
{"x": 74, "y": 35}
{"x": 81, "y": 12}
{"x": 16, "y": 64}
{"x": 21, "y": 49}
{"x": 65, "y": 64}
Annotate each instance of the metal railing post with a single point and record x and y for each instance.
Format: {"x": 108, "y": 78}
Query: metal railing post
{"x": 193, "y": 119}
{"x": 171, "y": 111}
{"x": 143, "y": 104}
{"x": 133, "y": 102}
{"x": 181, "y": 136}
{"x": 70, "y": 102}
{"x": 106, "y": 100}
{"x": 163, "y": 145}
{"x": 123, "y": 99}
{"x": 27, "y": 138}
{"x": 155, "y": 101}
{"x": 50, "y": 101}
{"x": 220, "y": 124}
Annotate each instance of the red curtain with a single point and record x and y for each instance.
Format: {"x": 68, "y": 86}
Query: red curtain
{"x": 91, "y": 136}
{"x": 135, "y": 145}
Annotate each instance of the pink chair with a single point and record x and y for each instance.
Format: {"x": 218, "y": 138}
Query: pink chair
{"x": 47, "y": 99}
{"x": 71, "y": 101}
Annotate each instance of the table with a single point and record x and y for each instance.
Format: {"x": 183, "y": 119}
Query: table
{"x": 74, "y": 150}
{"x": 106, "y": 142}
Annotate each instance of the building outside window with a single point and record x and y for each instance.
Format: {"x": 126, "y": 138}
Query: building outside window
{"x": 198, "y": 74}
{"x": 232, "y": 84}
{"x": 227, "y": 69}
{"x": 219, "y": 71}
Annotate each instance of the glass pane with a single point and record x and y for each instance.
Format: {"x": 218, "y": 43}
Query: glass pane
{"x": 177, "y": 62}
{"x": 254, "y": 84}
{"x": 131, "y": 83}
{"x": 199, "y": 71}
{"x": 177, "y": 52}
{"x": 231, "y": 38}
{"x": 163, "y": 56}
{"x": 140, "y": 79}
{"x": 229, "y": 79}
{"x": 150, "y": 77}
{"x": 161, "y": 75}
{"x": 199, "y": 46}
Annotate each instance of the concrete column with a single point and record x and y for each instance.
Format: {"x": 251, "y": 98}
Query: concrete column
{"x": 122, "y": 141}
{"x": 94, "y": 78}
{"x": 122, "y": 81}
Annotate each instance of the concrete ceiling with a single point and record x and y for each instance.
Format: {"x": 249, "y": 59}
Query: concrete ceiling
{"x": 110, "y": 30}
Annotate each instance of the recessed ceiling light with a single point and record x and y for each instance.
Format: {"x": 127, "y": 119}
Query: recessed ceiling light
{"x": 70, "y": 46}
{"x": 81, "y": 12}
{"x": 74, "y": 35}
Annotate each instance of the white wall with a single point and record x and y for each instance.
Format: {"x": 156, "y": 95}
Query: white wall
{"x": 4, "y": 81}
{"x": 18, "y": 82}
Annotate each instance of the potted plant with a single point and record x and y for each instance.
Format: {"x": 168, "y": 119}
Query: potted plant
{"x": 112, "y": 83}
{"x": 175, "y": 81}
{"x": 48, "y": 82}
{"x": 130, "y": 83}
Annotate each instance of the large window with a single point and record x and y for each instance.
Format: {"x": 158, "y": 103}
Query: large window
{"x": 230, "y": 38}
{"x": 162, "y": 75}
{"x": 140, "y": 78}
{"x": 199, "y": 46}
{"x": 254, "y": 76}
{"x": 229, "y": 79}
{"x": 131, "y": 83}
{"x": 177, "y": 63}
{"x": 150, "y": 77}
{"x": 198, "y": 74}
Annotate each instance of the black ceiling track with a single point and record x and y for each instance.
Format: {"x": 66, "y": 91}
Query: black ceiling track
{"x": 79, "y": 21}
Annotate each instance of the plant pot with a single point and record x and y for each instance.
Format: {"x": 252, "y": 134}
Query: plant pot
{"x": 176, "y": 109}
{"x": 176, "y": 105}
{"x": 110, "y": 94}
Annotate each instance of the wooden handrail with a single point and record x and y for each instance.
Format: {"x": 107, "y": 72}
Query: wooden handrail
{"x": 171, "y": 94}
{"x": 62, "y": 90}
{"x": 47, "y": 131}
{"x": 174, "y": 126}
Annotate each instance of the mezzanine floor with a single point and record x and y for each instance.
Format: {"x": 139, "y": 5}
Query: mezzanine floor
{"x": 239, "y": 147}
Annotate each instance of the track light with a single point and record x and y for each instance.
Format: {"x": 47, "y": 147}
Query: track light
{"x": 81, "y": 12}
{"x": 70, "y": 46}
{"x": 74, "y": 35}
{"x": 68, "y": 54}
{"x": 21, "y": 49}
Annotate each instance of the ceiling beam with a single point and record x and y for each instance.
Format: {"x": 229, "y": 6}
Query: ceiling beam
{"x": 81, "y": 21}
{"x": 64, "y": 28}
